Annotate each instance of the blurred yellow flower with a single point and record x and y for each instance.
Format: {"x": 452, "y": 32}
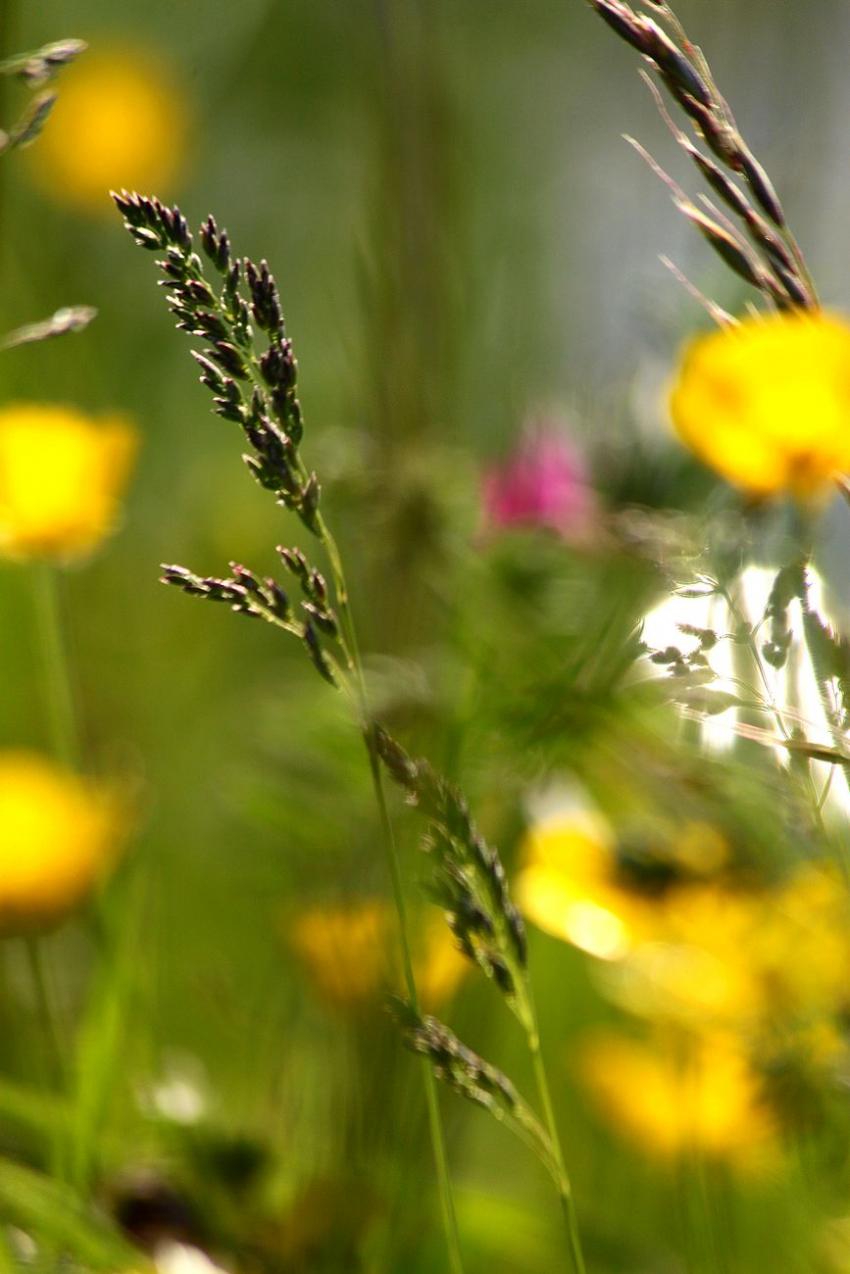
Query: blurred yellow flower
{"x": 348, "y": 953}
{"x": 684, "y": 945}
{"x": 753, "y": 961}
{"x": 344, "y": 949}
{"x": 681, "y": 1095}
{"x": 569, "y": 889}
{"x": 120, "y": 121}
{"x": 57, "y": 838}
{"x": 767, "y": 403}
{"x": 578, "y": 886}
{"x": 440, "y": 966}
{"x": 62, "y": 475}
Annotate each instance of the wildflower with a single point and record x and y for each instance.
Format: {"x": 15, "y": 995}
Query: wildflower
{"x": 344, "y": 949}
{"x": 439, "y": 967}
{"x": 568, "y": 886}
{"x": 543, "y": 483}
{"x": 580, "y": 885}
{"x": 120, "y": 121}
{"x": 700, "y": 1094}
{"x": 684, "y": 944}
{"x": 57, "y": 838}
{"x": 347, "y": 953}
{"x": 767, "y": 403}
{"x": 61, "y": 478}
{"x": 765, "y": 962}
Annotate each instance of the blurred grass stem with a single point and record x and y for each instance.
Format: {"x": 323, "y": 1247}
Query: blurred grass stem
{"x": 565, "y": 1191}
{"x": 46, "y": 1010}
{"x": 751, "y": 646}
{"x": 435, "y": 1124}
{"x": 54, "y": 1067}
{"x": 60, "y": 703}
{"x": 8, "y": 27}
{"x": 64, "y": 742}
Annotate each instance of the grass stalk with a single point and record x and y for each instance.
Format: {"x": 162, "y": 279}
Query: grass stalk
{"x": 564, "y": 1185}
{"x": 435, "y": 1122}
{"x": 64, "y": 741}
{"x": 54, "y": 1068}
{"x": 8, "y": 25}
{"x": 751, "y": 646}
{"x": 60, "y": 703}
{"x": 63, "y": 734}
{"x": 46, "y": 1010}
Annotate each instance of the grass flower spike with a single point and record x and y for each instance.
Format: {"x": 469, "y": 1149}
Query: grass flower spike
{"x": 57, "y": 838}
{"x": 766, "y": 404}
{"x": 120, "y": 120}
{"x": 62, "y": 476}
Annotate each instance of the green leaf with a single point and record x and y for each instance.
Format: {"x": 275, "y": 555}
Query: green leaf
{"x": 53, "y": 1214}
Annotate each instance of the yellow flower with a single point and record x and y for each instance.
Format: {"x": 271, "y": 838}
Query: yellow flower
{"x": 683, "y": 944}
{"x": 440, "y": 966}
{"x": 576, "y": 886}
{"x": 767, "y": 403}
{"x": 57, "y": 838}
{"x": 765, "y": 961}
{"x": 568, "y": 888}
{"x": 681, "y": 1095}
{"x": 344, "y": 949}
{"x": 61, "y": 477}
{"x": 348, "y": 951}
{"x": 120, "y": 120}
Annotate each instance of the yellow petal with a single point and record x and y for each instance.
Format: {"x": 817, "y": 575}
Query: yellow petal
{"x": 62, "y": 476}
{"x": 57, "y": 838}
{"x": 767, "y": 403}
{"x": 120, "y": 121}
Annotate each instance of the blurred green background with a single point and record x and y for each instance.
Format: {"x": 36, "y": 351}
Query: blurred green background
{"x": 461, "y": 241}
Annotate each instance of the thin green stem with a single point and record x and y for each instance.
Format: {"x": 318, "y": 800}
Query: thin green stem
{"x": 60, "y": 708}
{"x": 46, "y": 1010}
{"x": 565, "y": 1192}
{"x": 435, "y": 1123}
{"x": 351, "y": 647}
{"x": 769, "y": 698}
{"x": 59, "y": 698}
{"x": 349, "y": 644}
{"x": 54, "y": 1064}
{"x": 7, "y": 36}
{"x": 823, "y": 677}
{"x": 755, "y": 655}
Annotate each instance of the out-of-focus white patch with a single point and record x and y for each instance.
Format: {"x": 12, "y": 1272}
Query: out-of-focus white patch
{"x": 793, "y": 689}
{"x": 179, "y": 1095}
{"x": 559, "y": 799}
{"x": 567, "y": 801}
{"x": 178, "y": 1100}
{"x": 23, "y": 1245}
{"x": 180, "y": 1258}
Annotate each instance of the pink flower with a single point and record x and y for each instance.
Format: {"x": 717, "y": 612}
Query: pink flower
{"x": 544, "y": 482}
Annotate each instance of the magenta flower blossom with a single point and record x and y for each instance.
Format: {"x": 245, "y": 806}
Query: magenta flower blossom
{"x": 544, "y": 482}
